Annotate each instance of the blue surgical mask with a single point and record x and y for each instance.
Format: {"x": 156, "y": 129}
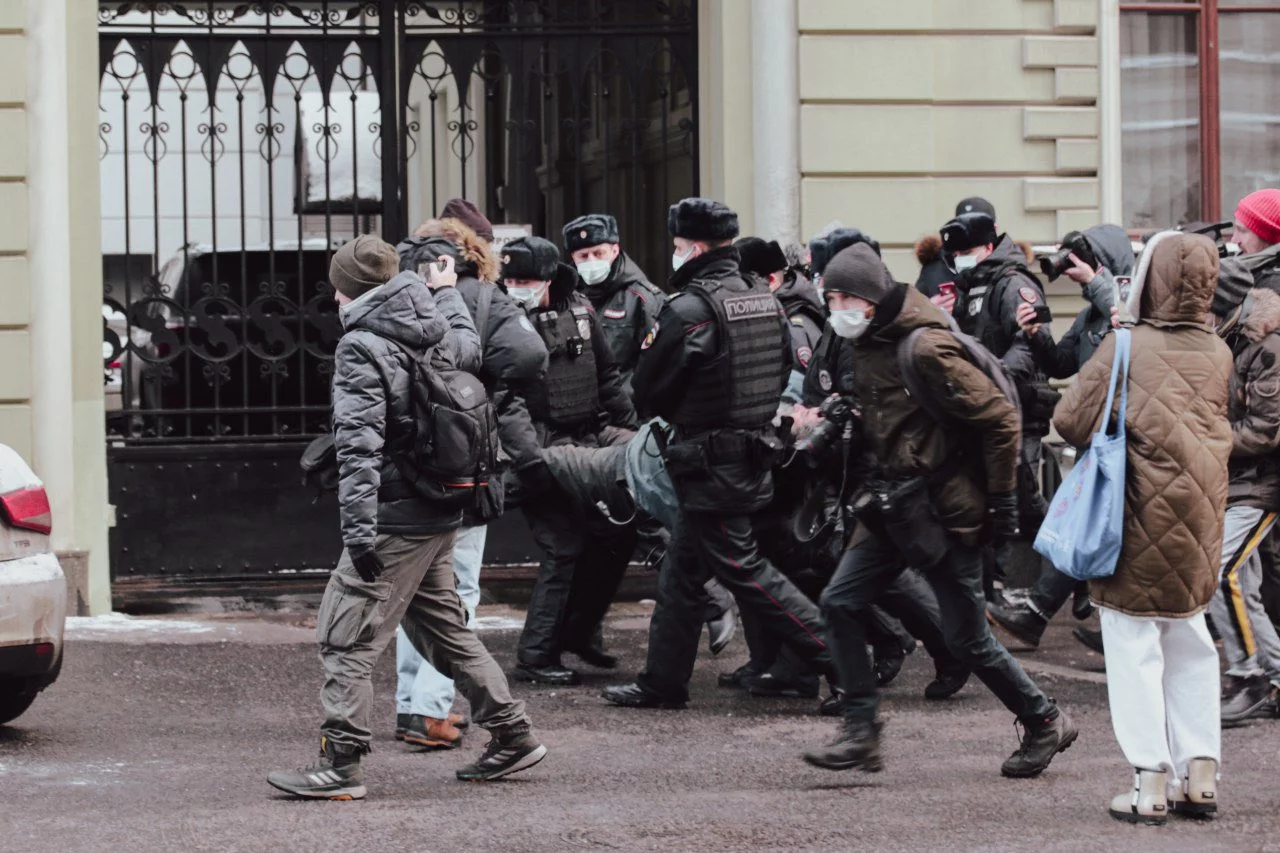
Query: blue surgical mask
{"x": 594, "y": 272}
{"x": 678, "y": 260}
{"x": 528, "y": 297}
{"x": 964, "y": 263}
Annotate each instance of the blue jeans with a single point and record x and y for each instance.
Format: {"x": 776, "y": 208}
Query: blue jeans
{"x": 420, "y": 688}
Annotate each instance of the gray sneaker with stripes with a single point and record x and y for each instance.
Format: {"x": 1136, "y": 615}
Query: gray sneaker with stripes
{"x": 336, "y": 775}
{"x": 504, "y": 755}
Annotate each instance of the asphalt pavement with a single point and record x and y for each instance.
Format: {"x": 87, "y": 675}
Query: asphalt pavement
{"x": 160, "y": 734}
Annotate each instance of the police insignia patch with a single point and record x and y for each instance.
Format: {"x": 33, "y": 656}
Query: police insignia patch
{"x": 582, "y": 234}
{"x": 975, "y": 308}
{"x": 584, "y": 328}
{"x": 648, "y": 339}
{"x": 1028, "y": 294}
{"x": 803, "y": 354}
{"x": 824, "y": 380}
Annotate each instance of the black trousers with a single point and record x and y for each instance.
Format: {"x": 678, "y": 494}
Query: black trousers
{"x": 870, "y": 568}
{"x": 906, "y": 611}
{"x": 722, "y": 546}
{"x": 584, "y": 559}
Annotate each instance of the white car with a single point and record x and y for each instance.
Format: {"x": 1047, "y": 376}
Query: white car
{"x": 33, "y": 590}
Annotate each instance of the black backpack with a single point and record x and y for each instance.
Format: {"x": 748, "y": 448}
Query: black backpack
{"x": 475, "y": 426}
{"x": 980, "y": 356}
{"x": 455, "y": 449}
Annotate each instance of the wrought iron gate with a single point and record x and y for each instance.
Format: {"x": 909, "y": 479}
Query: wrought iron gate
{"x": 242, "y": 142}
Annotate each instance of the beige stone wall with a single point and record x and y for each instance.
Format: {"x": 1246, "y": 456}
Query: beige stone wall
{"x": 909, "y": 106}
{"x": 15, "y": 296}
{"x": 51, "y": 398}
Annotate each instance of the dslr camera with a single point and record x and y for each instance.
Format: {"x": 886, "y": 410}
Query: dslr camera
{"x": 1060, "y": 261}
{"x": 837, "y": 412}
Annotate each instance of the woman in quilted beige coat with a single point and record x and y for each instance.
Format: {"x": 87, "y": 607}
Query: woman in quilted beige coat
{"x": 1162, "y": 667}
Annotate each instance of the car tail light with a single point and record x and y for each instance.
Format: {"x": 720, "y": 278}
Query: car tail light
{"x": 44, "y": 650}
{"x": 28, "y": 509}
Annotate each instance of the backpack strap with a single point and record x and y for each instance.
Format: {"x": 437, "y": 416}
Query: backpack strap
{"x": 483, "y": 303}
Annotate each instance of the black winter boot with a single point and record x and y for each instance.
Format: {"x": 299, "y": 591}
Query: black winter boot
{"x": 1042, "y": 739}
{"x": 856, "y": 747}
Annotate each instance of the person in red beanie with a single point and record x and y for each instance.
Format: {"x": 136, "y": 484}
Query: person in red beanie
{"x": 1257, "y": 233}
{"x": 1257, "y": 225}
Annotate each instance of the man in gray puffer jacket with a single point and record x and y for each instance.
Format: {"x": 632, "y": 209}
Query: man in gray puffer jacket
{"x": 397, "y": 562}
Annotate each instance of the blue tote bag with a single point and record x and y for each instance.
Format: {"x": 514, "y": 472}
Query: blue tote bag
{"x": 1084, "y": 529}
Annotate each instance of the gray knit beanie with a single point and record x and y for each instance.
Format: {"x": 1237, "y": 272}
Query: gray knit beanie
{"x": 361, "y": 265}
{"x": 858, "y": 270}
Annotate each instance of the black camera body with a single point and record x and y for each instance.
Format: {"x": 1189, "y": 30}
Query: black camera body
{"x": 1060, "y": 261}
{"x": 837, "y": 412}
{"x": 1215, "y": 231}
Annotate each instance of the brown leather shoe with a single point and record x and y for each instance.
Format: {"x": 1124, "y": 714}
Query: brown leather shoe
{"x": 432, "y": 733}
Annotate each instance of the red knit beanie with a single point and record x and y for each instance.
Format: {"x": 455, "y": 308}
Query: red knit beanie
{"x": 1260, "y": 213}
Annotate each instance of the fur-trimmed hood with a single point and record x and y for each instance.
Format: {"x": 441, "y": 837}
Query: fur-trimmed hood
{"x": 928, "y": 249}
{"x": 1264, "y": 316}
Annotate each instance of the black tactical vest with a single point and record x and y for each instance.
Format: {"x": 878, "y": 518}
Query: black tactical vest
{"x": 741, "y": 386}
{"x": 572, "y": 384}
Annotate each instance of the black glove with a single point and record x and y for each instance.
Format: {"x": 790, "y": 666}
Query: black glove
{"x": 1002, "y": 515}
{"x": 367, "y": 563}
{"x": 536, "y": 479}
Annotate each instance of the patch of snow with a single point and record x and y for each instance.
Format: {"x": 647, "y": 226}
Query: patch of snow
{"x": 122, "y": 623}
{"x": 497, "y": 623}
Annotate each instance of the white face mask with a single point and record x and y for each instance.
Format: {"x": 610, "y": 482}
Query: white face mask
{"x": 678, "y": 260}
{"x": 966, "y": 262}
{"x": 594, "y": 272}
{"x": 850, "y": 323}
{"x": 528, "y": 297}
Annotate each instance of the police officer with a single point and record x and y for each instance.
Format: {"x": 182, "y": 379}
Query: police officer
{"x": 994, "y": 282}
{"x": 936, "y": 480}
{"x": 799, "y": 300}
{"x": 713, "y": 367}
{"x": 584, "y": 556}
{"x": 626, "y": 303}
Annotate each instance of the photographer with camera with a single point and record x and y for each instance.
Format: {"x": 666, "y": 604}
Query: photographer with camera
{"x": 1094, "y": 260}
{"x": 907, "y": 611}
{"x": 944, "y": 487}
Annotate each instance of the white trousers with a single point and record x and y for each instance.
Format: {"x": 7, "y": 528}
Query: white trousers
{"x": 1162, "y": 680}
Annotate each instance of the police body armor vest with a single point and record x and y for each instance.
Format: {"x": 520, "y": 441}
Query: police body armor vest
{"x": 572, "y": 383}
{"x": 739, "y": 388}
{"x": 979, "y": 316}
